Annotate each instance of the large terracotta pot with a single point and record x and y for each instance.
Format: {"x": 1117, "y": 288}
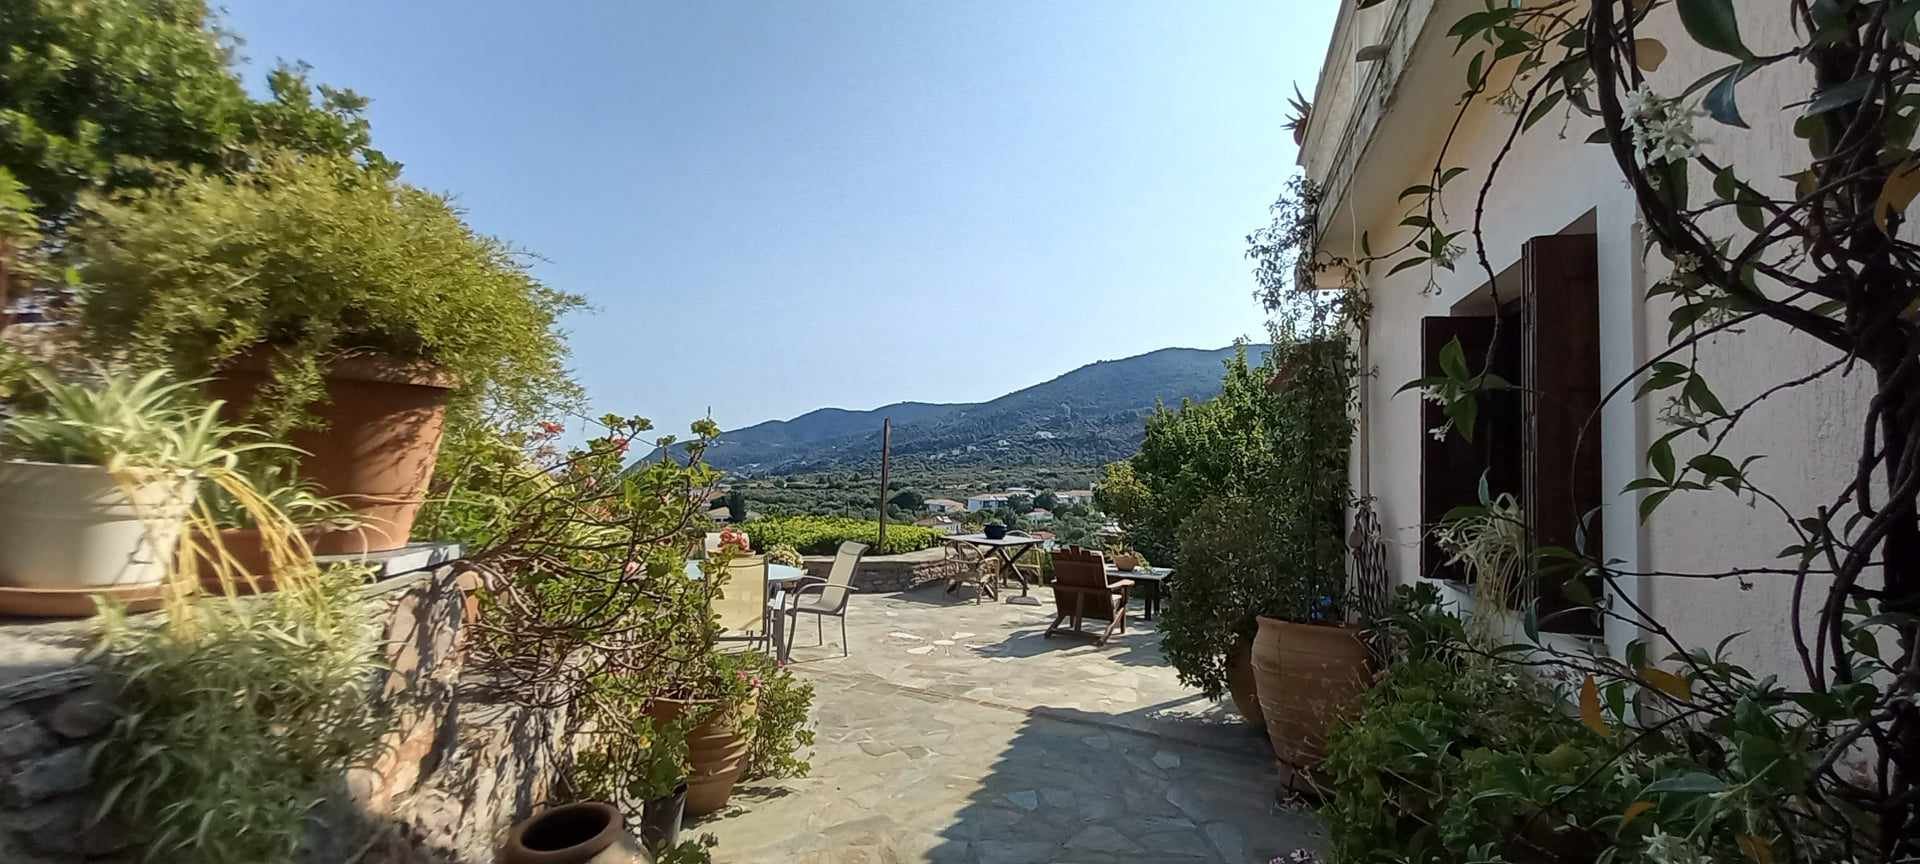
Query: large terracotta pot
{"x": 1308, "y": 676}
{"x": 716, "y": 754}
{"x": 79, "y": 526}
{"x": 249, "y": 557}
{"x": 383, "y": 423}
{"x": 586, "y": 833}
{"x": 1240, "y": 684}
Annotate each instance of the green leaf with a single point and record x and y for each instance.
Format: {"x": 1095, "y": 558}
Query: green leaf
{"x": 1453, "y": 360}
{"x": 1701, "y": 395}
{"x": 1410, "y": 263}
{"x": 1722, "y": 102}
{"x": 1660, "y": 456}
{"x": 1449, "y": 174}
{"x": 1840, "y": 96}
{"x": 1465, "y": 413}
{"x": 1540, "y": 111}
{"x": 1474, "y": 69}
{"x": 1417, "y": 189}
{"x": 1714, "y": 25}
{"x": 1652, "y": 503}
{"x": 1692, "y": 783}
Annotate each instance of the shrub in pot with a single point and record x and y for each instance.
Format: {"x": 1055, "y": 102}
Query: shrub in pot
{"x": 352, "y": 313}
{"x": 98, "y": 481}
{"x": 1255, "y": 481}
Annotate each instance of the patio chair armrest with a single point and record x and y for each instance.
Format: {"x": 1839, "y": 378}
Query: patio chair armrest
{"x": 1120, "y": 583}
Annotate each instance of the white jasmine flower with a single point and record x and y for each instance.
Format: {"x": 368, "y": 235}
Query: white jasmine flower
{"x": 1439, "y": 433}
{"x": 1662, "y": 128}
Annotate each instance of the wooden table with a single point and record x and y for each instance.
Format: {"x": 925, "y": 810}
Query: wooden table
{"x": 1150, "y": 577}
{"x": 1008, "y": 549}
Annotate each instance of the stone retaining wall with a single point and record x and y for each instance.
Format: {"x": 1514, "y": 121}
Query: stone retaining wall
{"x": 886, "y": 573}
{"x": 458, "y": 766}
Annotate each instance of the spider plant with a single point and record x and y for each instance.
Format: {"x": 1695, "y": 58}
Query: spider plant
{"x": 1490, "y": 541}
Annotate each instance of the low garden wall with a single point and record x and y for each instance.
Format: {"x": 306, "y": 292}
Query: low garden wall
{"x": 457, "y": 765}
{"x": 884, "y": 573}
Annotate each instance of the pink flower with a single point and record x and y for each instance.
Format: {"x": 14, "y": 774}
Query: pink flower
{"x": 620, "y": 446}
{"x": 550, "y": 427}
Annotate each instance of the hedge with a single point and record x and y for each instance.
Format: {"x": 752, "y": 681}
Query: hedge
{"x": 822, "y": 535}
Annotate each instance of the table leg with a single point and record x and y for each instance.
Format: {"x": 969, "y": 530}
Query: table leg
{"x": 1151, "y": 599}
{"x": 1023, "y": 599}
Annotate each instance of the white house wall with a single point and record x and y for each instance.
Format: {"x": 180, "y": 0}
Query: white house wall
{"x": 1549, "y": 181}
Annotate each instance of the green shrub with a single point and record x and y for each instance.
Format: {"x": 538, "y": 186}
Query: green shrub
{"x": 779, "y": 724}
{"x": 239, "y": 719}
{"x": 315, "y": 258}
{"x": 822, "y": 535}
{"x": 1462, "y": 755}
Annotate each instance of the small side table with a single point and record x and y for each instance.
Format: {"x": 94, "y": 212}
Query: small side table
{"x": 1149, "y": 579}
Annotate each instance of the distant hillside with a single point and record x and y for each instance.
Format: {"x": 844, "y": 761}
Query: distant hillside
{"x": 1093, "y": 414}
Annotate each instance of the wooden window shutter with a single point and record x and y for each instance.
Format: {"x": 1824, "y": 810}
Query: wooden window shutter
{"x": 1450, "y": 469}
{"x": 1560, "y": 365}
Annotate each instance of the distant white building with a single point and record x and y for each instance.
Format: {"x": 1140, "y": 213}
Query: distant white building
{"x": 989, "y": 501}
{"x": 1082, "y": 497}
{"x": 942, "y": 524}
{"x": 1039, "y": 515}
{"x": 944, "y": 505}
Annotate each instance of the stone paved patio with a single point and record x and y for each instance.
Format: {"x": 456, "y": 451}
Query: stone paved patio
{"x": 956, "y": 733}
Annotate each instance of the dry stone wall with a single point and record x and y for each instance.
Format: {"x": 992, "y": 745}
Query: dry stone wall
{"x": 458, "y": 766}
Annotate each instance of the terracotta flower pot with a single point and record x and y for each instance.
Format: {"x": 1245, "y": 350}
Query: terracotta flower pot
{"x": 585, "y": 833}
{"x": 1308, "y": 676}
{"x": 383, "y": 423}
{"x": 78, "y": 526}
{"x": 1240, "y": 684}
{"x": 1125, "y": 562}
{"x": 249, "y": 558}
{"x": 716, "y": 754}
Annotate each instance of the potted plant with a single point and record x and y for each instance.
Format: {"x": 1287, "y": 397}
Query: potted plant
{"x": 1299, "y": 112}
{"x": 721, "y": 738}
{"x": 98, "y": 481}
{"x": 585, "y": 832}
{"x": 235, "y": 553}
{"x": 353, "y": 312}
{"x": 638, "y": 760}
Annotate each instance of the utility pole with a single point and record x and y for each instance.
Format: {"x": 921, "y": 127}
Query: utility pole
{"x": 886, "y": 446}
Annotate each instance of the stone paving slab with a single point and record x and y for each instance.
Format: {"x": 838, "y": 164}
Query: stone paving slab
{"x": 996, "y": 746}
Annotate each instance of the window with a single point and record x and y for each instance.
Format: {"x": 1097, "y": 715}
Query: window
{"x": 1530, "y": 442}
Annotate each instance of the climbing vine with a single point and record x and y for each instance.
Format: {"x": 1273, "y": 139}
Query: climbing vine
{"x": 1821, "y": 763}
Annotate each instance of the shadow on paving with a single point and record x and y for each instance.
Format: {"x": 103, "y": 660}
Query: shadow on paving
{"x": 1078, "y": 786}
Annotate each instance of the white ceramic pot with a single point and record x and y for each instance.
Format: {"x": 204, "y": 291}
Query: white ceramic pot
{"x": 77, "y": 526}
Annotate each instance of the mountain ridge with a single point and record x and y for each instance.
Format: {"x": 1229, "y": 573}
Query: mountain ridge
{"x": 1091, "y": 414}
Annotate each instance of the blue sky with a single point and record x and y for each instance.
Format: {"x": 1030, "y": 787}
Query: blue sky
{"x": 780, "y": 206}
